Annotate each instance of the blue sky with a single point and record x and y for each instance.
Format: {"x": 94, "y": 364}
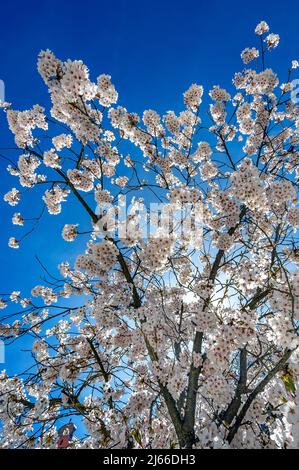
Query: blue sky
{"x": 154, "y": 50}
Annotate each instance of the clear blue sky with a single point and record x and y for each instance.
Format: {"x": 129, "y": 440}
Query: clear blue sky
{"x": 153, "y": 49}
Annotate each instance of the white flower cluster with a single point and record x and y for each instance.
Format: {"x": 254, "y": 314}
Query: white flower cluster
{"x": 103, "y": 196}
{"x": 27, "y": 165}
{"x": 224, "y": 241}
{"x": 217, "y": 387}
{"x": 293, "y": 216}
{"x": 282, "y": 331}
{"x": 53, "y": 199}
{"x": 122, "y": 181}
{"x": 291, "y": 411}
{"x": 227, "y": 207}
{"x": 49, "y": 297}
{"x": 69, "y": 232}
{"x": 61, "y": 141}
{"x": 203, "y": 152}
{"x": 185, "y": 195}
{"x": 106, "y": 91}
{"x": 51, "y": 159}
{"x": 244, "y": 118}
{"x": 192, "y": 97}
{"x": 208, "y": 170}
{"x": 247, "y": 186}
{"x": 12, "y": 197}
{"x": 219, "y": 94}
{"x": 82, "y": 180}
{"x": 17, "y": 219}
{"x": 203, "y": 319}
{"x": 100, "y": 259}
{"x": 22, "y": 123}
{"x": 154, "y": 255}
{"x": 272, "y": 40}
{"x": 287, "y": 302}
{"x": 218, "y": 112}
{"x": 172, "y": 122}
{"x": 13, "y": 243}
{"x": 70, "y": 89}
{"x": 249, "y": 54}
{"x": 75, "y": 80}
{"x": 49, "y": 67}
{"x": 152, "y": 122}
{"x": 256, "y": 83}
{"x": 281, "y": 192}
{"x": 262, "y": 28}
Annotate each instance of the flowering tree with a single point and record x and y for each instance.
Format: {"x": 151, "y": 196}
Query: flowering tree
{"x": 178, "y": 339}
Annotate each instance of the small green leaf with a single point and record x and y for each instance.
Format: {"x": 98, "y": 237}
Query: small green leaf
{"x": 137, "y": 436}
{"x": 288, "y": 381}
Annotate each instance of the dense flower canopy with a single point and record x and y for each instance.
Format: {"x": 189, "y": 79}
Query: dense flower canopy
{"x": 181, "y": 338}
